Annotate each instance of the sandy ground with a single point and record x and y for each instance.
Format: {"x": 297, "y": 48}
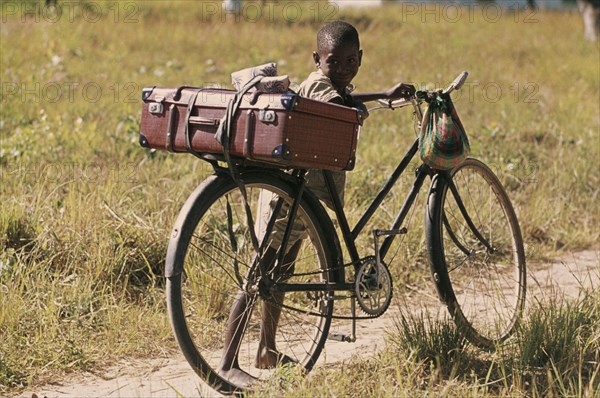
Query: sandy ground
{"x": 172, "y": 377}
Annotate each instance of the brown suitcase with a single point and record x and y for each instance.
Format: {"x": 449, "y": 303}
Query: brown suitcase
{"x": 279, "y": 129}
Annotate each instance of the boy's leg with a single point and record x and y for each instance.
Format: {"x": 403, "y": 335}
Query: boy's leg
{"x": 229, "y": 367}
{"x": 268, "y": 356}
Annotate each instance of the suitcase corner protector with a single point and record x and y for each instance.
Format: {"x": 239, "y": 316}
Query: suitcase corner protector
{"x": 146, "y": 92}
{"x": 144, "y": 141}
{"x": 351, "y": 164}
{"x": 281, "y": 151}
{"x": 288, "y": 100}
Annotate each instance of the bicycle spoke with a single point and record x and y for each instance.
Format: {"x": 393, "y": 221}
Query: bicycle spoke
{"x": 213, "y": 258}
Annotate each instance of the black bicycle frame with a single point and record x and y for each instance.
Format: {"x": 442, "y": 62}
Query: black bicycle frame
{"x": 350, "y": 236}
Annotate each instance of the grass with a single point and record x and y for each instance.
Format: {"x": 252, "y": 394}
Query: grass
{"x": 86, "y": 212}
{"x": 555, "y": 353}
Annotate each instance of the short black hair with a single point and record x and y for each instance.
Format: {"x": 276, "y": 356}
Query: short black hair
{"x": 335, "y": 33}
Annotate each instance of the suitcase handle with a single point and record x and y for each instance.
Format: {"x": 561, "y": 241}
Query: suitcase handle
{"x": 177, "y": 94}
{"x": 204, "y": 121}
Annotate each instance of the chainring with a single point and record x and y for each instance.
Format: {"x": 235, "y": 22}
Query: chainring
{"x": 373, "y": 287}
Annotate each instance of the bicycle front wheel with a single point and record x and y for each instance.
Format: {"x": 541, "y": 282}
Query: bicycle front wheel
{"x": 476, "y": 252}
{"x": 219, "y": 319}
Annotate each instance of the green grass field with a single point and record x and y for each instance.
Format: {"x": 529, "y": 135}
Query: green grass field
{"x": 86, "y": 212}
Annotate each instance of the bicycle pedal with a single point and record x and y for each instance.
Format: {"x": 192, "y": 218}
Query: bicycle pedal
{"x": 386, "y": 232}
{"x": 341, "y": 337}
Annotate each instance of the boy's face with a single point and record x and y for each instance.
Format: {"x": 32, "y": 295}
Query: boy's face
{"x": 339, "y": 63}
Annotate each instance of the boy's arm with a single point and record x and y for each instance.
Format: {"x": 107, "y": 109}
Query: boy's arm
{"x": 401, "y": 90}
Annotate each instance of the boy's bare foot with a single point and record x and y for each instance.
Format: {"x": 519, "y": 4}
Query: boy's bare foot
{"x": 268, "y": 359}
{"x": 237, "y": 376}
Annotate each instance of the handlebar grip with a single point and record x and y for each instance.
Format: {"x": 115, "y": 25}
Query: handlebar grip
{"x": 457, "y": 83}
{"x": 460, "y": 80}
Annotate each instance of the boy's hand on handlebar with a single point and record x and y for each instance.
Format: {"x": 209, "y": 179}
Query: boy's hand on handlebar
{"x": 401, "y": 90}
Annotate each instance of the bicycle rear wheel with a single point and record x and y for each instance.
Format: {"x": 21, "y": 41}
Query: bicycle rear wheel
{"x": 476, "y": 254}
{"x": 211, "y": 240}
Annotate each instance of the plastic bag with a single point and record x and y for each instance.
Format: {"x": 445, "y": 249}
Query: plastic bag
{"x": 443, "y": 142}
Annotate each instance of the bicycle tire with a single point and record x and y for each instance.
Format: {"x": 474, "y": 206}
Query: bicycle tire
{"x": 483, "y": 288}
{"x": 201, "y": 283}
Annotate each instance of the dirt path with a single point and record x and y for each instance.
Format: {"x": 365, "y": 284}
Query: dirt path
{"x": 173, "y": 377}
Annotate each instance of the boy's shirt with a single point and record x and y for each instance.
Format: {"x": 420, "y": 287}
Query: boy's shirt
{"x": 319, "y": 87}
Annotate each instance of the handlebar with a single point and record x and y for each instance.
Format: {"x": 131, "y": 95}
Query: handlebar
{"x": 394, "y": 104}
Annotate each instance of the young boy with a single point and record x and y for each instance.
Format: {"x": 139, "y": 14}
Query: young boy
{"x": 338, "y": 58}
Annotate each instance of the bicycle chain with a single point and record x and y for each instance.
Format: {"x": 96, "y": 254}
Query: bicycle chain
{"x": 365, "y": 315}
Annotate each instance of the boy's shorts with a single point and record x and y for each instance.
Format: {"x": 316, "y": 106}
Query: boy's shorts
{"x": 316, "y": 183}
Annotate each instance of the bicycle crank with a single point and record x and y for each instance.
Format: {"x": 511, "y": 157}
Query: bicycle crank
{"x": 373, "y": 287}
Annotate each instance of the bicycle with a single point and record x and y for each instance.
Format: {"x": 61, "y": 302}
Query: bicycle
{"x": 475, "y": 248}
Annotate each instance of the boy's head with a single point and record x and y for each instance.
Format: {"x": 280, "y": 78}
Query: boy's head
{"x": 338, "y": 52}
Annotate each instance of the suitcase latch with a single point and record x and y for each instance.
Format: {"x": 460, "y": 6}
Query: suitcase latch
{"x": 155, "y": 107}
{"x": 267, "y": 116}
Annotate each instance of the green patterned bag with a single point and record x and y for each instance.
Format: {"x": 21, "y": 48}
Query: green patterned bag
{"x": 443, "y": 142}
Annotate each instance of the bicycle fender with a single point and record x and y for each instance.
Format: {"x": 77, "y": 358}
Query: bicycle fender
{"x": 434, "y": 199}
